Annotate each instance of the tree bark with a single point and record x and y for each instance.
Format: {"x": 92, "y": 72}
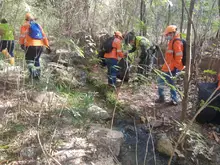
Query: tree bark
{"x": 143, "y": 17}
{"x": 188, "y": 61}
{"x": 169, "y": 15}
{"x": 182, "y": 19}
{"x": 218, "y": 33}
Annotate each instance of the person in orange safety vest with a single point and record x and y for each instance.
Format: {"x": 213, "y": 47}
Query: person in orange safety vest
{"x": 32, "y": 40}
{"x": 173, "y": 64}
{"x": 111, "y": 58}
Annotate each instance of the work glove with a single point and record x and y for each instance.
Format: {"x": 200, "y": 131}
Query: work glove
{"x": 48, "y": 50}
{"x": 22, "y": 47}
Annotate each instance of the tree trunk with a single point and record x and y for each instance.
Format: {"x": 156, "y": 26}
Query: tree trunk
{"x": 218, "y": 33}
{"x": 182, "y": 19}
{"x": 143, "y": 17}
{"x": 188, "y": 61}
{"x": 169, "y": 14}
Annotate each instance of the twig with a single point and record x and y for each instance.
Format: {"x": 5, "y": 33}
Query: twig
{"x": 39, "y": 140}
{"x": 146, "y": 151}
{"x": 136, "y": 145}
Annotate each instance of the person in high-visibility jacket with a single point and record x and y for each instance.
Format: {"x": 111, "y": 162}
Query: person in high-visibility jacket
{"x": 7, "y": 40}
{"x": 172, "y": 64}
{"x": 111, "y": 58}
{"x": 33, "y": 47}
{"x": 148, "y": 50}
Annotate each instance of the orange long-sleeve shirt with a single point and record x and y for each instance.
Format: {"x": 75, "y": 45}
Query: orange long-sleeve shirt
{"x": 26, "y": 40}
{"x": 116, "y": 51}
{"x": 174, "y": 55}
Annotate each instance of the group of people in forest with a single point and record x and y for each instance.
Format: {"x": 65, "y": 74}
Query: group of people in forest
{"x": 32, "y": 40}
{"x": 173, "y": 59}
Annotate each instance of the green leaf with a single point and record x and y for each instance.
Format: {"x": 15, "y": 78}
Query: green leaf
{"x": 183, "y": 35}
{"x": 208, "y": 71}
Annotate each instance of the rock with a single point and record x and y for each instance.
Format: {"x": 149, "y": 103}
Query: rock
{"x": 67, "y": 57}
{"x": 156, "y": 123}
{"x": 164, "y": 145}
{"x": 24, "y": 162}
{"x": 74, "y": 150}
{"x": 133, "y": 108}
{"x": 55, "y": 66}
{"x": 47, "y": 98}
{"x": 62, "y": 51}
{"x": 64, "y": 75}
{"x": 11, "y": 76}
{"x": 28, "y": 153}
{"x": 104, "y": 161}
{"x": 110, "y": 139}
{"x": 179, "y": 154}
{"x": 63, "y": 62}
{"x": 70, "y": 82}
{"x": 3, "y": 156}
{"x": 98, "y": 113}
{"x": 3, "y": 65}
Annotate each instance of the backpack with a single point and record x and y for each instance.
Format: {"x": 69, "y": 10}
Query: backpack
{"x": 107, "y": 45}
{"x": 105, "y": 48}
{"x": 184, "y": 49}
{"x": 35, "y": 31}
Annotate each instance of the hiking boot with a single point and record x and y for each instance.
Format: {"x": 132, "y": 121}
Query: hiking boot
{"x": 160, "y": 100}
{"x": 172, "y": 103}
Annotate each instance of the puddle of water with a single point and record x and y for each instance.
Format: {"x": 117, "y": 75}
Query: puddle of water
{"x": 133, "y": 153}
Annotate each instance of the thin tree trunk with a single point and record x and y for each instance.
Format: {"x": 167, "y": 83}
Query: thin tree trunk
{"x": 188, "y": 62}
{"x": 143, "y": 17}
{"x": 169, "y": 15}
{"x": 218, "y": 33}
{"x": 182, "y": 19}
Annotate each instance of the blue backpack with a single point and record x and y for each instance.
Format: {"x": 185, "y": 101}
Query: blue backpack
{"x": 35, "y": 31}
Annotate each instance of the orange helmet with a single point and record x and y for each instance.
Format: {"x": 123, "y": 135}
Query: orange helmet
{"x": 170, "y": 28}
{"x": 28, "y": 16}
{"x": 118, "y": 34}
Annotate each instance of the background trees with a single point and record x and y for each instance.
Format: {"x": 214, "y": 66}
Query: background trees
{"x": 148, "y": 17}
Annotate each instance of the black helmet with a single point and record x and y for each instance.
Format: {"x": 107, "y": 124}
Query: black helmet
{"x": 129, "y": 37}
{"x": 4, "y": 20}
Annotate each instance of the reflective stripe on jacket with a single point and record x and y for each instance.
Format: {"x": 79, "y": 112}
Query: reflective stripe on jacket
{"x": 26, "y": 40}
{"x": 116, "y": 51}
{"x": 173, "y": 55}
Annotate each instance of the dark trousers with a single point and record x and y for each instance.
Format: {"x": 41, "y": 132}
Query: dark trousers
{"x": 9, "y": 44}
{"x": 33, "y": 54}
{"x": 112, "y": 70}
{"x": 32, "y": 57}
{"x": 146, "y": 61}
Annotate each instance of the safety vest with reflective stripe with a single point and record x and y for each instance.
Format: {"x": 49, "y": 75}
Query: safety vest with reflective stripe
{"x": 26, "y": 40}
{"x": 173, "y": 55}
{"x": 116, "y": 51}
